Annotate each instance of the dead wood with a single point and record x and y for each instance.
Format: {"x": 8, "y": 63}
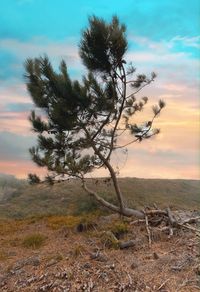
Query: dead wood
{"x": 148, "y": 229}
{"x": 135, "y": 222}
{"x": 127, "y": 244}
{"x": 191, "y": 220}
{"x": 172, "y": 220}
{"x": 165, "y": 220}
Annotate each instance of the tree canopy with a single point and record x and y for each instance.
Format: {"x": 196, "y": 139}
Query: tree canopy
{"x": 82, "y": 121}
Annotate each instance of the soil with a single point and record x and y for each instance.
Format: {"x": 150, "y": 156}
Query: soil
{"x": 80, "y": 261}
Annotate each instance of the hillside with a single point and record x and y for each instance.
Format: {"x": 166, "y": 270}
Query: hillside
{"x": 68, "y": 198}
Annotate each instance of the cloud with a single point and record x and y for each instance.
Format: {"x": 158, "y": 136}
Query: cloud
{"x": 165, "y": 44}
{"x": 172, "y": 154}
{"x": 21, "y": 168}
{"x": 177, "y": 68}
{"x": 15, "y": 147}
{"x": 19, "y": 107}
{"x": 18, "y": 51}
{"x": 187, "y": 41}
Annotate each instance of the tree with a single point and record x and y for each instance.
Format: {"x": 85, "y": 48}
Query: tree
{"x": 83, "y": 121}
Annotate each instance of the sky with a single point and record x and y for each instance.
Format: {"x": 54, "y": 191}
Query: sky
{"x": 163, "y": 36}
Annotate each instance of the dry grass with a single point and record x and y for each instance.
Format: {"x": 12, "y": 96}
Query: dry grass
{"x": 77, "y": 250}
{"x": 3, "y": 255}
{"x": 34, "y": 241}
{"x": 56, "y": 222}
{"x": 68, "y": 198}
{"x": 70, "y": 256}
{"x": 10, "y": 226}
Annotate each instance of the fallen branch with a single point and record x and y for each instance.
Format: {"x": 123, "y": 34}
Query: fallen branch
{"x": 172, "y": 220}
{"x": 148, "y": 230}
{"x": 163, "y": 284}
{"x": 191, "y": 228}
{"x": 191, "y": 220}
{"x": 156, "y": 212}
{"x": 137, "y": 221}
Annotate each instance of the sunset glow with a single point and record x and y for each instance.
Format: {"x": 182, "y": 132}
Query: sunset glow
{"x": 166, "y": 44}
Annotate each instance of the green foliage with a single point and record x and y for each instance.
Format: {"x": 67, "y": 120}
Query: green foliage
{"x": 109, "y": 240}
{"x": 33, "y": 179}
{"x": 68, "y": 198}
{"x": 119, "y": 229}
{"x": 85, "y": 116}
{"x": 103, "y": 45}
{"x": 34, "y": 241}
{"x": 87, "y": 206}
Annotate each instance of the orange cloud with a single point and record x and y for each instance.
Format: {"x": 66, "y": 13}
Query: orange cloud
{"x": 20, "y": 168}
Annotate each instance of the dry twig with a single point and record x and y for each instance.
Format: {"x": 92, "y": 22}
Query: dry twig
{"x": 148, "y": 230}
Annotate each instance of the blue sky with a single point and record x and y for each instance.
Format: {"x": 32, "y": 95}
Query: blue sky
{"x": 23, "y": 19}
{"x": 44, "y": 21}
{"x": 164, "y": 36}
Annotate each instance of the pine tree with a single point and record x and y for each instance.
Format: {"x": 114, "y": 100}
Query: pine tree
{"x": 82, "y": 121}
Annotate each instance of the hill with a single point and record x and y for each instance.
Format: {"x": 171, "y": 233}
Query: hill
{"x": 68, "y": 198}
{"x": 8, "y": 185}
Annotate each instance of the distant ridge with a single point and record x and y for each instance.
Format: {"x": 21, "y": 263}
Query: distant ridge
{"x": 68, "y": 197}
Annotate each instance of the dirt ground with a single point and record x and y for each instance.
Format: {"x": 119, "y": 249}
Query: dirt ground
{"x": 70, "y": 260}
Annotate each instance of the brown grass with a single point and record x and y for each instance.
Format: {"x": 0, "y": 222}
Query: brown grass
{"x": 34, "y": 241}
{"x": 71, "y": 254}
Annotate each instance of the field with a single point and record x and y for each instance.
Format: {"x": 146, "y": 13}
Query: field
{"x": 57, "y": 239}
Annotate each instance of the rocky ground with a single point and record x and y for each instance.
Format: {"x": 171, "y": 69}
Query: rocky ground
{"x": 87, "y": 259}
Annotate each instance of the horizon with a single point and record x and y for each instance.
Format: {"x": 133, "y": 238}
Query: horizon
{"x": 172, "y": 52}
{"x": 5, "y": 175}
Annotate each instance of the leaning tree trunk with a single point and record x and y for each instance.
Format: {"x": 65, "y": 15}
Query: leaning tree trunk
{"x": 121, "y": 209}
{"x": 125, "y": 211}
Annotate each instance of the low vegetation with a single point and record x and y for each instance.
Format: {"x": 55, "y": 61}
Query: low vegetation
{"x": 102, "y": 257}
{"x": 34, "y": 241}
{"x": 68, "y": 198}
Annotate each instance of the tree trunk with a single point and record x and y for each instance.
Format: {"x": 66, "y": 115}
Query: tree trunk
{"x": 125, "y": 211}
{"x": 113, "y": 176}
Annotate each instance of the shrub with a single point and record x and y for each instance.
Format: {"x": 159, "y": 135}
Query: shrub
{"x": 109, "y": 240}
{"x": 119, "y": 229}
{"x": 34, "y": 241}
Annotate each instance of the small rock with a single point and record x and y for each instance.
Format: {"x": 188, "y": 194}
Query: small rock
{"x": 99, "y": 257}
{"x": 112, "y": 267}
{"x": 104, "y": 276}
{"x": 31, "y": 280}
{"x": 86, "y": 266}
{"x": 33, "y": 261}
{"x": 51, "y": 262}
{"x": 134, "y": 265}
{"x": 18, "y": 272}
{"x": 155, "y": 256}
